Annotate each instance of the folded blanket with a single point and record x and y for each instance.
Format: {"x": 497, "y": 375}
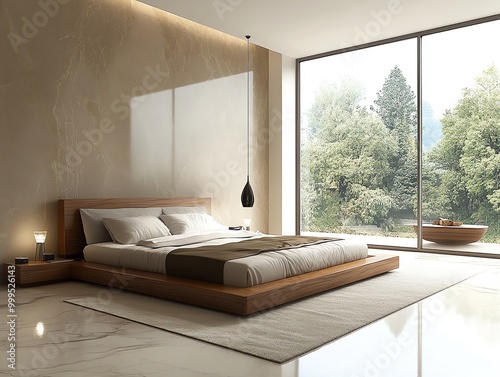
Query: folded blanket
{"x": 207, "y": 262}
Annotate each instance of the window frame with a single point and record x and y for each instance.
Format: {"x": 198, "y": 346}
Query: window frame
{"x": 418, "y": 36}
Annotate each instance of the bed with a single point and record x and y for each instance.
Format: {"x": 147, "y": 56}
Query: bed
{"x": 102, "y": 264}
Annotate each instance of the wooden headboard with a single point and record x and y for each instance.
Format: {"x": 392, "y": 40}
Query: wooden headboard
{"x": 71, "y": 239}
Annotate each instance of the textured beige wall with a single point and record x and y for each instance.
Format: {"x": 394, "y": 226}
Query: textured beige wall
{"x": 113, "y": 98}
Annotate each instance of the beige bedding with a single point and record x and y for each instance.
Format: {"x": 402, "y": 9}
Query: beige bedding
{"x": 243, "y": 272}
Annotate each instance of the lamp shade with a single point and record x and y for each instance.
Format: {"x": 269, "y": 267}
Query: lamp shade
{"x": 40, "y": 236}
{"x": 247, "y": 197}
{"x": 246, "y": 223}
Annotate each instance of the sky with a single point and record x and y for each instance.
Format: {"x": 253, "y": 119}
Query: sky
{"x": 451, "y": 62}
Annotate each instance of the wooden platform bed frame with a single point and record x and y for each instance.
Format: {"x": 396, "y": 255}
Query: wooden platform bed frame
{"x": 243, "y": 301}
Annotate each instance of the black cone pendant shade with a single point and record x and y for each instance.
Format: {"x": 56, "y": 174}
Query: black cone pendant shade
{"x": 247, "y": 197}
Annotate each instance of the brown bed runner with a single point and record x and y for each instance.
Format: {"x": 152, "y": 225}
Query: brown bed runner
{"x": 207, "y": 262}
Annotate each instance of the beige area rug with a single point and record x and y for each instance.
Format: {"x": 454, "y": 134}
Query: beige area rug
{"x": 289, "y": 331}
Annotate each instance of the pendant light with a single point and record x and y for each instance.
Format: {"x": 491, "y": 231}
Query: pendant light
{"x": 247, "y": 197}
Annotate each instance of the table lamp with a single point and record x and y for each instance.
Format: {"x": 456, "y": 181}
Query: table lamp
{"x": 246, "y": 223}
{"x": 40, "y": 236}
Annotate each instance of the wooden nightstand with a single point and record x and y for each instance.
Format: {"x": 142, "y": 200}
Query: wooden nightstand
{"x": 34, "y": 273}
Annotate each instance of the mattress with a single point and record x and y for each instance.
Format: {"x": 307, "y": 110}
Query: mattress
{"x": 242, "y": 272}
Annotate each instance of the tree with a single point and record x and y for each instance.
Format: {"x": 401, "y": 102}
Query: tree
{"x": 345, "y": 161}
{"x": 396, "y": 106}
{"x": 469, "y": 152}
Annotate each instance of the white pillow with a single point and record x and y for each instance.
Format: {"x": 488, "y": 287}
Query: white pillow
{"x": 130, "y": 230}
{"x": 191, "y": 222}
{"x": 93, "y": 227}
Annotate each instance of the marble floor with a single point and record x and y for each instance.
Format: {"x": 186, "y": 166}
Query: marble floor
{"x": 453, "y": 333}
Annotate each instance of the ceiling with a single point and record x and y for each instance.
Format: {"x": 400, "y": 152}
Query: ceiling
{"x": 301, "y": 28}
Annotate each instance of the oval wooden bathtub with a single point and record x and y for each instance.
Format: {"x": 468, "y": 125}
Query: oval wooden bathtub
{"x": 452, "y": 235}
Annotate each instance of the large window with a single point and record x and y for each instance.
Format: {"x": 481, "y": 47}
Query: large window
{"x": 461, "y": 127}
{"x": 359, "y": 132}
{"x": 358, "y": 141}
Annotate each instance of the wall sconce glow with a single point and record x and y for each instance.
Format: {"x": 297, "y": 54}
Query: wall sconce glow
{"x": 40, "y": 236}
{"x": 39, "y": 329}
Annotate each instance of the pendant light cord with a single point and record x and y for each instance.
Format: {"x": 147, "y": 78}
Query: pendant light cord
{"x": 247, "y": 197}
{"x": 248, "y": 106}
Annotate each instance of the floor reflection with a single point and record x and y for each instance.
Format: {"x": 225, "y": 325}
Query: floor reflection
{"x": 453, "y": 333}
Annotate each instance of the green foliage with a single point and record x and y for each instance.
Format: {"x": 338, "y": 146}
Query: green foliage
{"x": 346, "y": 157}
{"x": 370, "y": 206}
{"x": 469, "y": 152}
{"x": 396, "y": 106}
{"x": 359, "y": 167}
